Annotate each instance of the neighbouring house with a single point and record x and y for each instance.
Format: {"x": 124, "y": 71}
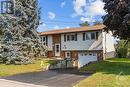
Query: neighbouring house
{"x": 83, "y": 45}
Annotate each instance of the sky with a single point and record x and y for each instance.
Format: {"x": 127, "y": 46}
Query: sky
{"x": 59, "y": 14}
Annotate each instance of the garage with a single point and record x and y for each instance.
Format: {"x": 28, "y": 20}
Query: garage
{"x": 86, "y": 57}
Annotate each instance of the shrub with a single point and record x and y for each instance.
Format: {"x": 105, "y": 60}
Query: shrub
{"x": 122, "y": 49}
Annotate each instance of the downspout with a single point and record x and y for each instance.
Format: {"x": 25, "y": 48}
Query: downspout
{"x": 105, "y": 46}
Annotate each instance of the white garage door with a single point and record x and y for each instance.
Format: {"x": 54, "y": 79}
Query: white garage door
{"x": 86, "y": 57}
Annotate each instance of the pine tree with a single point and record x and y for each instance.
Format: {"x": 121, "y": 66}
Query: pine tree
{"x": 20, "y": 41}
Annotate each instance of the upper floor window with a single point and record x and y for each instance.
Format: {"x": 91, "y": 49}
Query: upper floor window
{"x": 7, "y": 7}
{"x": 90, "y": 36}
{"x": 70, "y": 37}
{"x": 93, "y": 36}
{"x": 44, "y": 39}
{"x": 87, "y": 36}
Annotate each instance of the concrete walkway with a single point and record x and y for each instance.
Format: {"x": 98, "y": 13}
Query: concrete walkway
{"x": 9, "y": 83}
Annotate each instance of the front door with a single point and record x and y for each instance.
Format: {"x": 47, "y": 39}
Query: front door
{"x": 57, "y": 50}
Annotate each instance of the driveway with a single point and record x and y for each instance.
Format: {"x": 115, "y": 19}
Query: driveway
{"x": 50, "y": 78}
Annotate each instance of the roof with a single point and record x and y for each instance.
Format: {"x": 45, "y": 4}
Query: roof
{"x": 72, "y": 30}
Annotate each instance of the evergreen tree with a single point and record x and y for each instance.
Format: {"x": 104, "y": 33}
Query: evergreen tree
{"x": 20, "y": 41}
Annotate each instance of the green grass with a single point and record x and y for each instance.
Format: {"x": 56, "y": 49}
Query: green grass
{"x": 7, "y": 70}
{"x": 109, "y": 73}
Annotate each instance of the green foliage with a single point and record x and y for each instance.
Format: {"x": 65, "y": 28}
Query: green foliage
{"x": 84, "y": 23}
{"x": 20, "y": 41}
{"x": 97, "y": 23}
{"x": 52, "y": 62}
{"x": 117, "y": 18}
{"x": 122, "y": 49}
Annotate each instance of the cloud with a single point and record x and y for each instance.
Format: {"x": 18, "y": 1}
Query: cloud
{"x": 83, "y": 19}
{"x": 56, "y": 27}
{"x": 42, "y": 28}
{"x": 89, "y": 19}
{"x": 95, "y": 8}
{"x": 78, "y": 6}
{"x": 51, "y": 15}
{"x": 88, "y": 9}
{"x": 63, "y": 4}
{"x": 67, "y": 27}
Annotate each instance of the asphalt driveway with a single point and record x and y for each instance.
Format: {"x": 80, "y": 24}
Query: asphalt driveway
{"x": 50, "y": 78}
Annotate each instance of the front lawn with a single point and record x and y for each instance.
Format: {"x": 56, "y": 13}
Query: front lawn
{"x": 110, "y": 73}
{"x": 6, "y": 70}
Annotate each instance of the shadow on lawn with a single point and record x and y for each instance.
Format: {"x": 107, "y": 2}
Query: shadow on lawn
{"x": 108, "y": 67}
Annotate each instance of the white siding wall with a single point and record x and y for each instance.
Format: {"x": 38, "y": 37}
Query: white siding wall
{"x": 50, "y": 43}
{"x": 108, "y": 43}
{"x": 80, "y": 44}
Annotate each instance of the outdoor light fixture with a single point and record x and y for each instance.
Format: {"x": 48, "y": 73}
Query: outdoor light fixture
{"x": 7, "y": 7}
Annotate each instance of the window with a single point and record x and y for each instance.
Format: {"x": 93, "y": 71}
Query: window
{"x": 87, "y": 36}
{"x": 43, "y": 38}
{"x": 7, "y": 7}
{"x": 90, "y": 36}
{"x": 57, "y": 48}
{"x": 76, "y": 37}
{"x": 93, "y": 36}
{"x": 70, "y": 37}
{"x": 90, "y": 54}
{"x": 68, "y": 54}
{"x": 64, "y": 37}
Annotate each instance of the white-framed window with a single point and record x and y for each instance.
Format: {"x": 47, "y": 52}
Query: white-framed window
{"x": 90, "y": 36}
{"x": 87, "y": 36}
{"x": 93, "y": 35}
{"x": 44, "y": 40}
{"x": 70, "y": 37}
{"x": 7, "y": 7}
{"x": 68, "y": 54}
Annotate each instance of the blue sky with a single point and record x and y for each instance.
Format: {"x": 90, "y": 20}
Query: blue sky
{"x": 59, "y": 14}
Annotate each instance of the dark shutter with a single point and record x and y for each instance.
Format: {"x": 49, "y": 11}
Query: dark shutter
{"x": 83, "y": 36}
{"x": 64, "y": 37}
{"x": 96, "y": 35}
{"x": 75, "y": 36}
{"x": 46, "y": 40}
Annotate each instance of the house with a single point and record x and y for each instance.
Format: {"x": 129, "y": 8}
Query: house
{"x": 83, "y": 45}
